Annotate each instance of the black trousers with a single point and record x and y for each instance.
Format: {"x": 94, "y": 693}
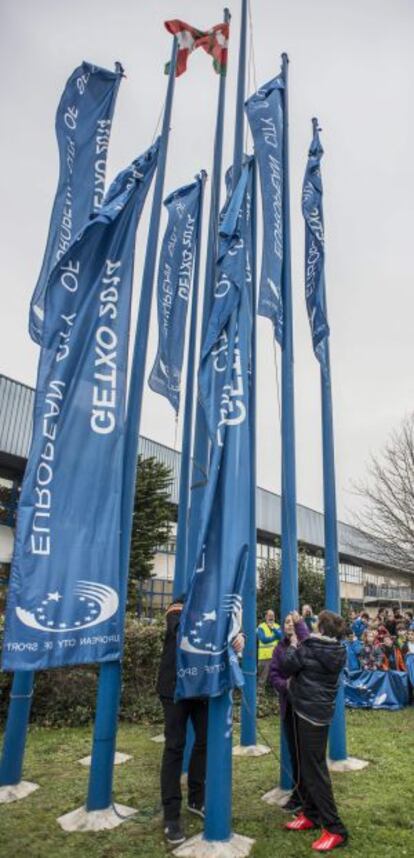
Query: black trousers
{"x": 316, "y": 787}
{"x": 291, "y": 734}
{"x": 176, "y": 717}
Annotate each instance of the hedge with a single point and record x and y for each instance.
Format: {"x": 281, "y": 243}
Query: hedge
{"x": 66, "y": 697}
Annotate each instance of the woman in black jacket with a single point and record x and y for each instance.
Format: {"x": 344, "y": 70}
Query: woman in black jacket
{"x": 314, "y": 669}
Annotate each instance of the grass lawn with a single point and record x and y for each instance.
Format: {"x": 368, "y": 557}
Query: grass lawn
{"x": 376, "y": 804}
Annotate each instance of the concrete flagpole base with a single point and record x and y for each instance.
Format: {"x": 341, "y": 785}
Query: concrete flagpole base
{"x": 277, "y": 796}
{"x": 14, "y": 792}
{"x": 351, "y": 764}
{"x": 250, "y": 750}
{"x": 119, "y": 759}
{"x": 237, "y": 847}
{"x": 160, "y": 738}
{"x": 96, "y": 820}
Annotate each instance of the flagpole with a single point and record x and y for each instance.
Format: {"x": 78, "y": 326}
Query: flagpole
{"x": 201, "y": 440}
{"x": 181, "y": 569}
{"x": 248, "y": 709}
{"x": 220, "y": 709}
{"x": 18, "y": 714}
{"x": 109, "y": 683}
{"x": 337, "y": 733}
{"x": 289, "y": 565}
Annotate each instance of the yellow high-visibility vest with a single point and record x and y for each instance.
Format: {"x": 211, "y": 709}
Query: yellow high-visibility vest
{"x": 266, "y": 649}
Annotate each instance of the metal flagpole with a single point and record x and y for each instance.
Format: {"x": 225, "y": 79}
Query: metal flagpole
{"x": 220, "y": 709}
{"x": 248, "y": 708}
{"x": 289, "y": 566}
{"x": 18, "y": 714}
{"x": 337, "y": 735}
{"x": 201, "y": 441}
{"x": 109, "y": 686}
{"x": 181, "y": 569}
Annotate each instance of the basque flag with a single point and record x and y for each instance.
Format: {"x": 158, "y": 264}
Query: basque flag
{"x": 63, "y": 600}
{"x": 212, "y": 614}
{"x": 315, "y": 250}
{"x": 83, "y": 127}
{"x": 174, "y": 289}
{"x": 265, "y": 112}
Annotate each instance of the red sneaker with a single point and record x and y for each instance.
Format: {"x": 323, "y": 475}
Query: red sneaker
{"x": 328, "y": 841}
{"x": 301, "y": 823}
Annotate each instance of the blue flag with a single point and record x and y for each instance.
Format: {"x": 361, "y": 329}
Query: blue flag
{"x": 174, "y": 289}
{"x": 315, "y": 250}
{"x": 265, "y": 113}
{"x": 83, "y": 127}
{"x": 63, "y": 600}
{"x": 212, "y": 615}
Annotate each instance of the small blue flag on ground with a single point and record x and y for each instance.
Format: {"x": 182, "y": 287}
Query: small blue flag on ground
{"x": 83, "y": 127}
{"x": 174, "y": 289}
{"x": 315, "y": 250}
{"x": 212, "y": 615}
{"x": 265, "y": 113}
{"x": 63, "y": 600}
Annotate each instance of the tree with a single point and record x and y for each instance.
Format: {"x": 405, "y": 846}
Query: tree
{"x": 388, "y": 492}
{"x": 151, "y": 524}
{"x": 311, "y": 586}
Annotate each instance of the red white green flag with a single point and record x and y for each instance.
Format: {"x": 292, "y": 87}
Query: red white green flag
{"x": 213, "y": 41}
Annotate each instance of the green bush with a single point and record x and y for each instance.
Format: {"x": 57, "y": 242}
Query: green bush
{"x": 66, "y": 697}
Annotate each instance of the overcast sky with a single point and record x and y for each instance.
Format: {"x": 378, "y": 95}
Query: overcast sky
{"x": 352, "y": 65}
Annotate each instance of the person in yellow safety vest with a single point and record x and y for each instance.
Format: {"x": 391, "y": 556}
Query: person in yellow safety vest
{"x": 269, "y": 634}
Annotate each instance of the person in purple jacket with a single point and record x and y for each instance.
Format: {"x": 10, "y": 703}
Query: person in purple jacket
{"x": 295, "y": 631}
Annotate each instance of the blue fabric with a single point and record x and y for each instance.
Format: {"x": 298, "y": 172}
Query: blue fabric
{"x": 353, "y": 648}
{"x": 83, "y": 125}
{"x": 377, "y": 689}
{"x": 206, "y": 662}
{"x": 409, "y": 663}
{"x": 315, "y": 251}
{"x": 264, "y": 111}
{"x": 174, "y": 289}
{"x": 358, "y": 627}
{"x": 63, "y": 601}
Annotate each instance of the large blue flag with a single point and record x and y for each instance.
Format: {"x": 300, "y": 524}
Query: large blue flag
{"x": 212, "y": 615}
{"x": 265, "y": 113}
{"x": 63, "y": 601}
{"x": 174, "y": 289}
{"x": 315, "y": 250}
{"x": 83, "y": 127}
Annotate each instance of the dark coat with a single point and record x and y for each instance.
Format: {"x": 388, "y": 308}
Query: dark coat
{"x": 315, "y": 667}
{"x": 277, "y": 677}
{"x": 168, "y": 672}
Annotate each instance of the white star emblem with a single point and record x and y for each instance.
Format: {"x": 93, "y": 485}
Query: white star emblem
{"x": 54, "y": 597}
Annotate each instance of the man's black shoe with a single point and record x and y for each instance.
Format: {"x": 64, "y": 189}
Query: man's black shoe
{"x": 197, "y": 809}
{"x": 173, "y": 832}
{"x": 292, "y": 806}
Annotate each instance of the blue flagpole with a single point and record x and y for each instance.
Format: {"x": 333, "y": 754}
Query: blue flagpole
{"x": 337, "y": 733}
{"x": 109, "y": 684}
{"x": 289, "y": 566}
{"x": 248, "y": 709}
{"x": 220, "y": 709}
{"x": 201, "y": 440}
{"x": 181, "y": 569}
{"x": 18, "y": 714}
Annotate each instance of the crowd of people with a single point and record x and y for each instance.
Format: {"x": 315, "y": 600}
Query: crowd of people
{"x": 382, "y": 642}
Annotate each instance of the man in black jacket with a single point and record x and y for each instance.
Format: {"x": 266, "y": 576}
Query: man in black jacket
{"x": 314, "y": 669}
{"x": 176, "y": 717}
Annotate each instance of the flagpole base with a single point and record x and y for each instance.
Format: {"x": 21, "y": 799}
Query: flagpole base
{"x": 120, "y": 758}
{"x": 277, "y": 796}
{"x": 96, "y": 820}
{"x": 351, "y": 764}
{"x": 15, "y": 792}
{"x": 160, "y": 738}
{"x": 250, "y": 750}
{"x": 237, "y": 847}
